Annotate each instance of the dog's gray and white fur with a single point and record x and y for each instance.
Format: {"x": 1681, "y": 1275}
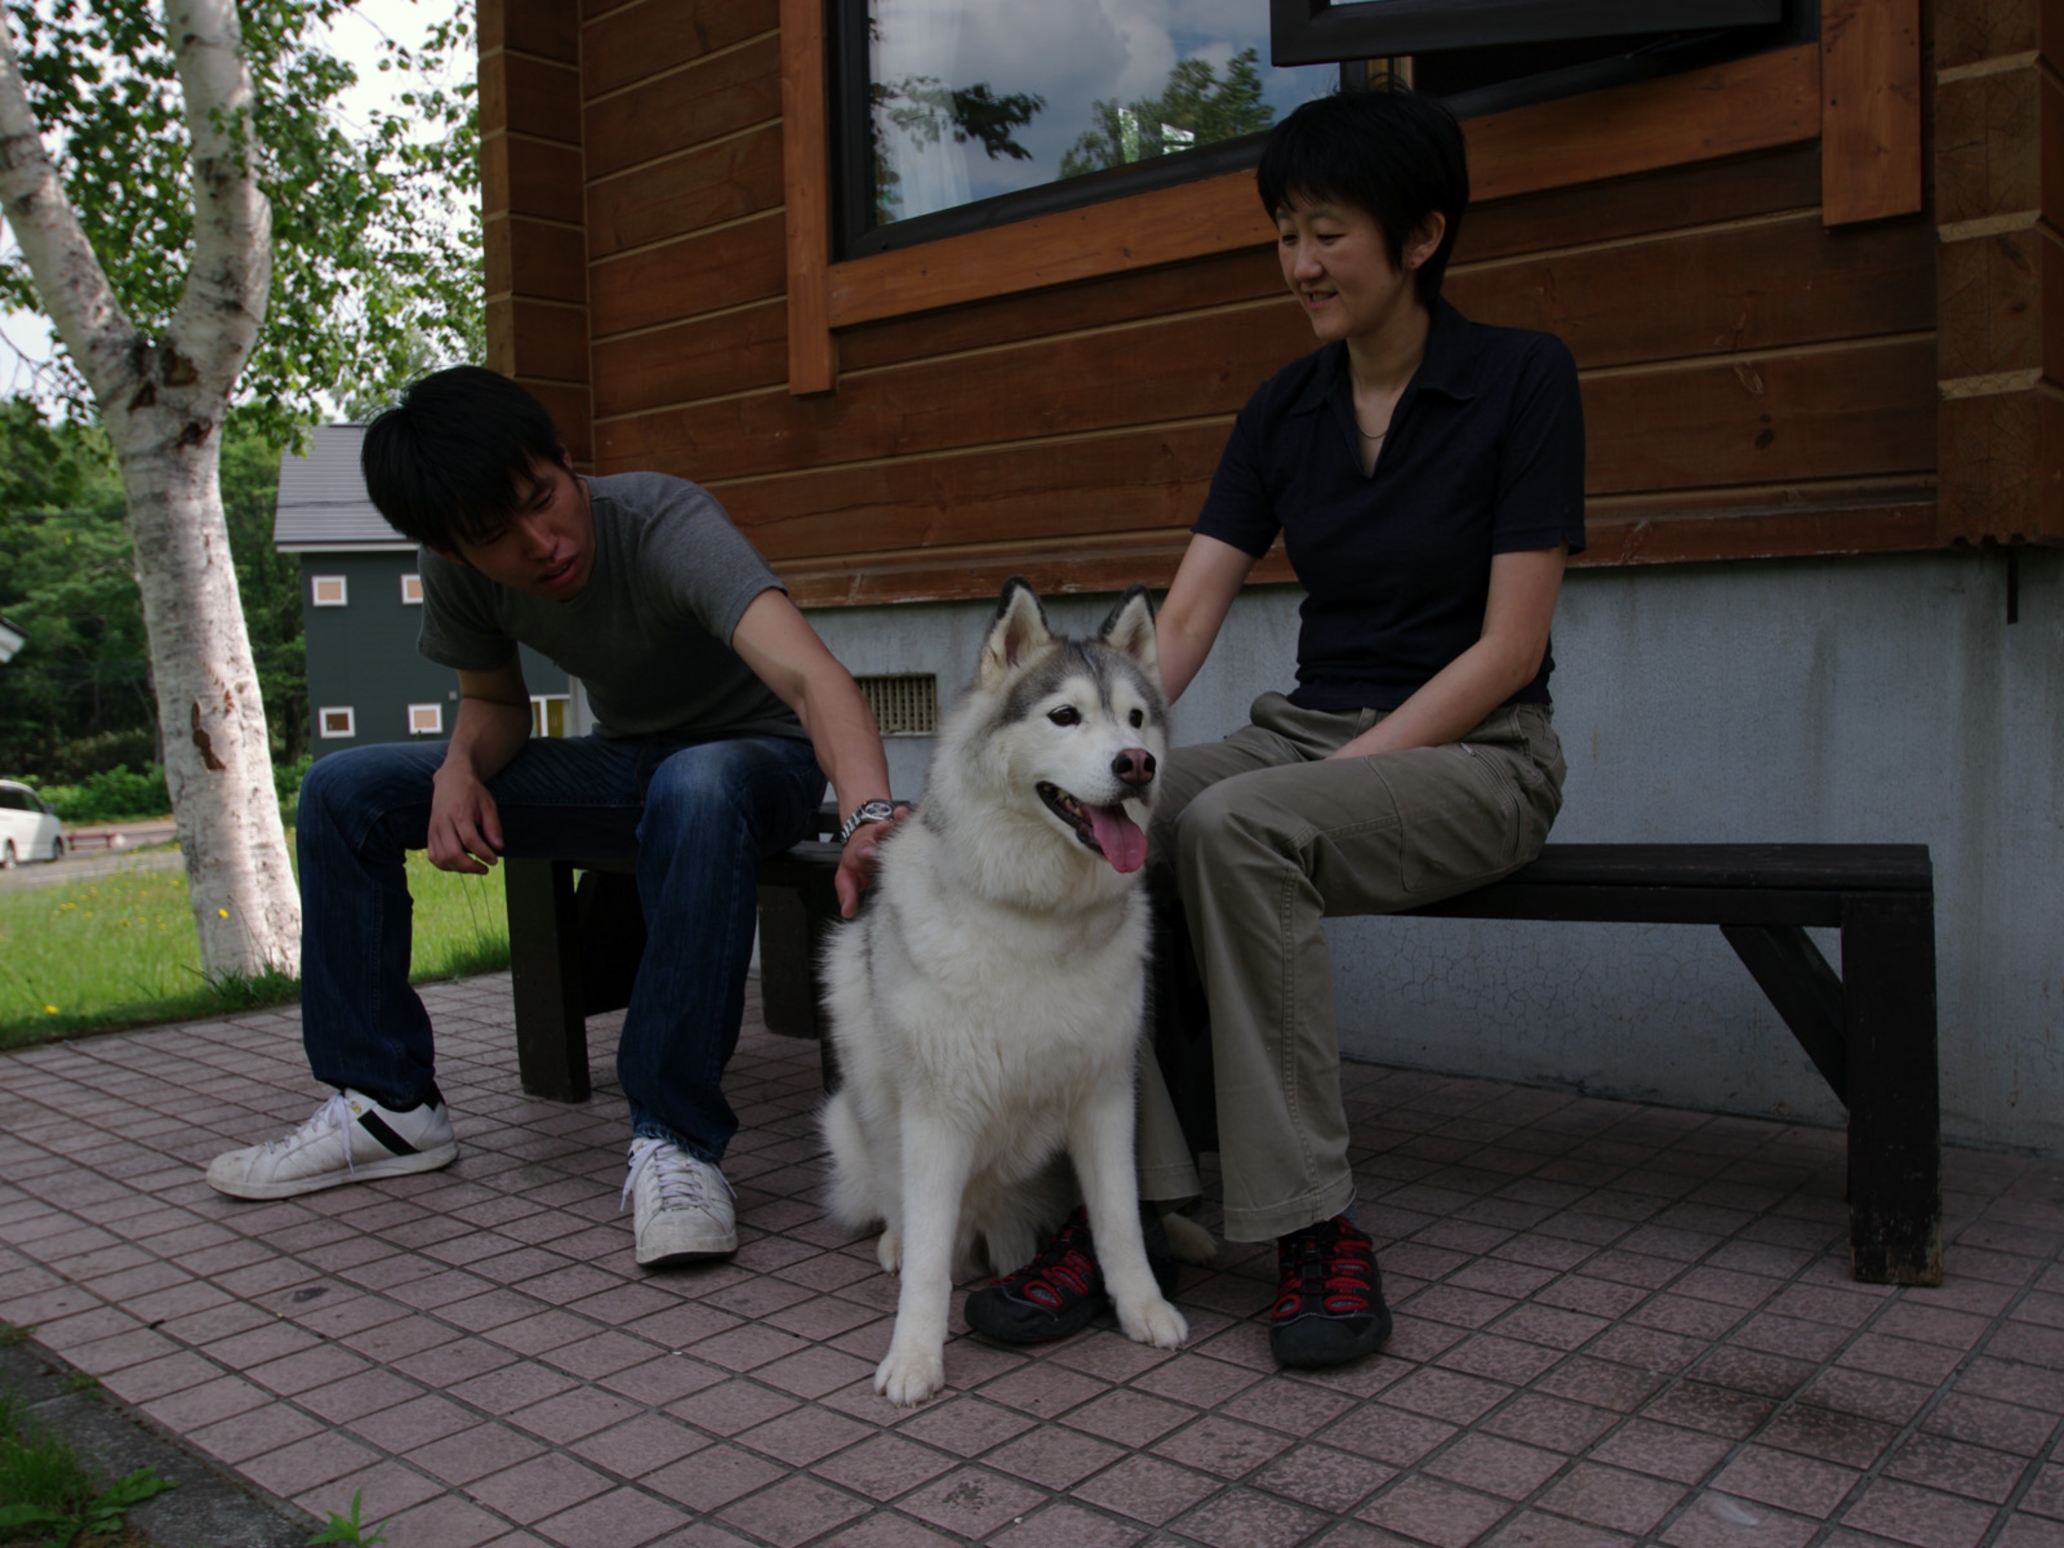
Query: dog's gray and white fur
{"x": 986, "y": 1006}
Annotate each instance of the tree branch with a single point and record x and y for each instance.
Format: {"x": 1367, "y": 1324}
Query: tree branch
{"x": 223, "y": 303}
{"x": 73, "y": 286}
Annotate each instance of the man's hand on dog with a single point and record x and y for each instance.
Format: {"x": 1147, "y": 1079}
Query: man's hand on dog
{"x": 857, "y": 861}
{"x": 465, "y": 827}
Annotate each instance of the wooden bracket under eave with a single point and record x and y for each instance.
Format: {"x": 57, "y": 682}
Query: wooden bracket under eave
{"x": 1870, "y": 110}
{"x": 806, "y": 192}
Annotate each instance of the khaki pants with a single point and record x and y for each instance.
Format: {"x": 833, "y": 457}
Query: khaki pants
{"x": 1262, "y": 838}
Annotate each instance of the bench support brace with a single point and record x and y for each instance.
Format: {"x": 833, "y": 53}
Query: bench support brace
{"x": 1796, "y": 978}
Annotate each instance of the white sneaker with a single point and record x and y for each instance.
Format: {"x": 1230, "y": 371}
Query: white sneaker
{"x": 683, "y": 1205}
{"x": 351, "y": 1138}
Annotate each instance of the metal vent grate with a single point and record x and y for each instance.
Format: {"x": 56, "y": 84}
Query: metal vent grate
{"x": 903, "y": 706}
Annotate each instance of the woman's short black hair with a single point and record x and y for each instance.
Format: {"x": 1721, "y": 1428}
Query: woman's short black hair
{"x": 1387, "y": 151}
{"x": 451, "y": 462}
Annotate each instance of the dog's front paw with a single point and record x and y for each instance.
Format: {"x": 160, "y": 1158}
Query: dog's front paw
{"x": 906, "y": 1377}
{"x": 888, "y": 1251}
{"x": 1153, "y": 1321}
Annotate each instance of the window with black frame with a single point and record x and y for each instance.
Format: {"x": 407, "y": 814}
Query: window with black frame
{"x": 955, "y": 115}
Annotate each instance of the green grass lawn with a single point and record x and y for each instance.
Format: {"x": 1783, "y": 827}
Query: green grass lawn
{"x": 121, "y": 950}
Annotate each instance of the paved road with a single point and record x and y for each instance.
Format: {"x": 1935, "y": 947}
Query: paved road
{"x": 77, "y": 868}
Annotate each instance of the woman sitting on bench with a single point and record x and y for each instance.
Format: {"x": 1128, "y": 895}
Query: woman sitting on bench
{"x": 1426, "y": 474}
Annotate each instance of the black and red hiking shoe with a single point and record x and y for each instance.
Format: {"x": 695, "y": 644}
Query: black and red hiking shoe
{"x": 1062, "y": 1288}
{"x": 1329, "y": 1301}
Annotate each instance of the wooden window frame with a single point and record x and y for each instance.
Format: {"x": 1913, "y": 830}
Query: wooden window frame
{"x": 1857, "y": 91}
{"x": 1321, "y": 31}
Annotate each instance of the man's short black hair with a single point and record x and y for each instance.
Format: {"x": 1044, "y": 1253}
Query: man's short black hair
{"x": 452, "y": 461}
{"x": 1387, "y": 151}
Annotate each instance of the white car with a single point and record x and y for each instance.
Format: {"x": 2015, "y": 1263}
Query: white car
{"x": 29, "y": 829}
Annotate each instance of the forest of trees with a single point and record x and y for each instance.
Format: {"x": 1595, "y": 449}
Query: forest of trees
{"x": 78, "y": 699}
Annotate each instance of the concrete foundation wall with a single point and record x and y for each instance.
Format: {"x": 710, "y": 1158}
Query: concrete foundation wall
{"x": 1844, "y": 701}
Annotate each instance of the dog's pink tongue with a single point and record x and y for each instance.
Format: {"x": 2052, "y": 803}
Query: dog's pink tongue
{"x": 1119, "y": 837}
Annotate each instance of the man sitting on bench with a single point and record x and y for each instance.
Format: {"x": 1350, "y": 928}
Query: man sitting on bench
{"x": 720, "y": 712}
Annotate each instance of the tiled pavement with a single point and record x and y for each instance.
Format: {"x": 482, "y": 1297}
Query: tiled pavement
{"x": 1616, "y": 1323}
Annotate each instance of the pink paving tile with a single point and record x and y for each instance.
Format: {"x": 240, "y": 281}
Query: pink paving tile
{"x": 253, "y": 1432}
{"x": 1146, "y": 1489}
{"x": 664, "y": 1380}
{"x": 1278, "y": 1402}
{"x": 1499, "y": 1359}
{"x": 887, "y": 1466}
{"x": 384, "y": 1489}
{"x": 2030, "y": 1532}
{"x": 1974, "y": 1471}
{"x": 1716, "y": 1520}
{"x": 1327, "y": 1480}
{"x": 712, "y": 1479}
{"x": 542, "y": 1486}
{"x": 448, "y": 1522}
{"x": 1069, "y": 1526}
{"x": 1611, "y": 1498}
{"x": 730, "y": 1407}
{"x": 367, "y": 1392}
{"x": 1804, "y": 1485}
{"x": 640, "y": 1445}
{"x": 1712, "y": 1410}
{"x": 510, "y": 1387}
{"x": 1924, "y": 1517}
{"x": 1661, "y": 1450}
{"x": 466, "y": 1455}
{"x": 1494, "y": 1466}
{"x": 886, "y": 1531}
{"x": 967, "y": 1427}
{"x": 1443, "y": 1394}
{"x": 1549, "y": 1422}
{"x": 2045, "y": 1495}
{"x": 295, "y": 1469}
{"x": 622, "y": 1518}
{"x": 1242, "y": 1518}
{"x": 1538, "y": 1529}
{"x": 972, "y": 1502}
{"x": 1387, "y": 1435}
{"x": 803, "y": 1436}
{"x": 1599, "y": 1383}
{"x": 1433, "y": 1512}
{"x": 1127, "y": 1417}
{"x": 1222, "y": 1447}
{"x": 1054, "y": 1457}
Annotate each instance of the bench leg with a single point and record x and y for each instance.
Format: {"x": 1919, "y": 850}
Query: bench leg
{"x": 1895, "y": 1125}
{"x": 544, "y": 969}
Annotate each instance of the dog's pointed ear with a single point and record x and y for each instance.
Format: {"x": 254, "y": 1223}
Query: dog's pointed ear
{"x": 1130, "y": 630}
{"x": 1019, "y": 630}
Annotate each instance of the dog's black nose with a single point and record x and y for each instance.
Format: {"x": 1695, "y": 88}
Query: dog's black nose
{"x": 1135, "y": 766}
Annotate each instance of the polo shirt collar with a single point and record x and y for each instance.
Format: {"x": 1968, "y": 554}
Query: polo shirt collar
{"x": 1449, "y": 367}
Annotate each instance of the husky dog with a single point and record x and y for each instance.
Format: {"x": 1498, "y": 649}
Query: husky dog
{"x": 986, "y": 1007}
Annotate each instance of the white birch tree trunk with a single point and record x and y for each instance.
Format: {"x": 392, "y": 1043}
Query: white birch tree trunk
{"x": 163, "y": 401}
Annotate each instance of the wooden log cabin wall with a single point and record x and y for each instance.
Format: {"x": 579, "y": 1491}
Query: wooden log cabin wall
{"x": 1816, "y": 296}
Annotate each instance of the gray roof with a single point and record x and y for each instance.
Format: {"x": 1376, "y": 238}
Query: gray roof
{"x": 322, "y": 497}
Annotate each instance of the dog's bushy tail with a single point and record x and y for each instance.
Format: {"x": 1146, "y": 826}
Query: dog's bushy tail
{"x": 852, "y": 1196}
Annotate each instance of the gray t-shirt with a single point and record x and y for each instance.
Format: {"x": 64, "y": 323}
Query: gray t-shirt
{"x": 649, "y": 635}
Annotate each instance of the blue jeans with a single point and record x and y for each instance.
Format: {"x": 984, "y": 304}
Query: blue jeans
{"x": 697, "y": 817}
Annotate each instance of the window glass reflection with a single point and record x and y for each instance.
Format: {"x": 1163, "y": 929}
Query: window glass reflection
{"x": 974, "y": 98}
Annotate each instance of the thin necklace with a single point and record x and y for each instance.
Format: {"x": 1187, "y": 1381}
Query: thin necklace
{"x": 1365, "y": 435}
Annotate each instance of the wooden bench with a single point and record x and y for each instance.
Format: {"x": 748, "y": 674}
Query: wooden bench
{"x": 1870, "y": 1030}
{"x": 574, "y": 950}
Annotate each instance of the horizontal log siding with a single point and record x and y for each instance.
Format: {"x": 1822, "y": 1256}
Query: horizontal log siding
{"x": 532, "y": 180}
{"x": 1754, "y": 384}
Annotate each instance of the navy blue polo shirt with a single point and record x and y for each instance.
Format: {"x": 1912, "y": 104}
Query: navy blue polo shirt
{"x": 1485, "y": 456}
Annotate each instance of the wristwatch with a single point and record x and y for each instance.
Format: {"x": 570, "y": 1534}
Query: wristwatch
{"x": 864, "y": 813}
